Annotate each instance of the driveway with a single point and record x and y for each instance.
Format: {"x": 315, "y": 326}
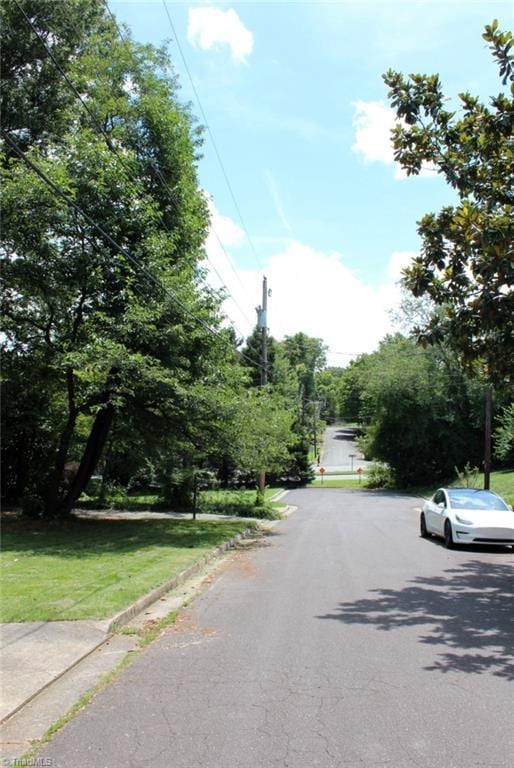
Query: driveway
{"x": 344, "y": 640}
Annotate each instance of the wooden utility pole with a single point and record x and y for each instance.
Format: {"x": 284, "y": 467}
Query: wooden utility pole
{"x": 487, "y": 431}
{"x": 262, "y": 323}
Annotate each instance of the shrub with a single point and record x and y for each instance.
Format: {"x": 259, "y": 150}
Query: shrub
{"x": 379, "y": 475}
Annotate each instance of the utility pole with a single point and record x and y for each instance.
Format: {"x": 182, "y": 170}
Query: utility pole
{"x": 262, "y": 323}
{"x": 488, "y": 429}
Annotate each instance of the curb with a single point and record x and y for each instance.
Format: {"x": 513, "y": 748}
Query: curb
{"x": 279, "y": 495}
{"x": 138, "y": 606}
{"x": 133, "y": 610}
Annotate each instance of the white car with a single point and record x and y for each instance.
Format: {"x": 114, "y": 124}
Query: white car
{"x": 468, "y": 516}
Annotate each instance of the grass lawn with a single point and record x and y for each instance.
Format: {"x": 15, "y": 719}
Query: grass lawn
{"x": 502, "y": 482}
{"x": 341, "y": 482}
{"x": 94, "y": 568}
{"x": 239, "y": 503}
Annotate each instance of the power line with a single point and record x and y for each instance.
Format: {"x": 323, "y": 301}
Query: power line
{"x": 207, "y": 126}
{"x": 123, "y": 251}
{"x": 157, "y": 171}
{"x": 114, "y": 149}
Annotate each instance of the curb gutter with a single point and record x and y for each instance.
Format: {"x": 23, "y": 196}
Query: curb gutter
{"x": 133, "y": 610}
{"x": 124, "y": 616}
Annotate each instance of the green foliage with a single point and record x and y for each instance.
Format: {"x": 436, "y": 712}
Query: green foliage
{"x": 75, "y": 568}
{"x": 100, "y": 350}
{"x": 504, "y": 434}
{"x": 465, "y": 264}
{"x": 422, "y": 414}
{"x": 261, "y": 431}
{"x": 379, "y": 476}
{"x": 468, "y": 476}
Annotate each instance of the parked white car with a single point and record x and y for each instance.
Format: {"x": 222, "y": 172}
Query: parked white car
{"x": 468, "y": 516}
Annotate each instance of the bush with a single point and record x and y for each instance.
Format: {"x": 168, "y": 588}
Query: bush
{"x": 379, "y": 476}
{"x": 468, "y": 476}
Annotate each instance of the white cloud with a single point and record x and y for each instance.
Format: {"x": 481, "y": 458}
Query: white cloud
{"x": 312, "y": 291}
{"x": 211, "y": 28}
{"x": 224, "y": 227}
{"x": 277, "y": 202}
{"x": 373, "y": 122}
{"x": 398, "y": 261}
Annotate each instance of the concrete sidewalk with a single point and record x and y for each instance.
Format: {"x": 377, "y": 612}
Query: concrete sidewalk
{"x": 47, "y": 666}
{"x": 36, "y": 653}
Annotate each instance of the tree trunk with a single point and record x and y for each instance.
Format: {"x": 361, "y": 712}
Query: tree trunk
{"x": 57, "y": 476}
{"x": 93, "y": 450}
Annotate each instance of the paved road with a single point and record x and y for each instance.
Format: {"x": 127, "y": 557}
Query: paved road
{"x": 338, "y": 445}
{"x": 347, "y": 641}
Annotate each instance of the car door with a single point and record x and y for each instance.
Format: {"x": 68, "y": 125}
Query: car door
{"x": 439, "y": 508}
{"x": 431, "y": 515}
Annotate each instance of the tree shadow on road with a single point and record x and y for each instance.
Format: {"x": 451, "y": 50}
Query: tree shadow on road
{"x": 346, "y": 434}
{"x": 469, "y": 609}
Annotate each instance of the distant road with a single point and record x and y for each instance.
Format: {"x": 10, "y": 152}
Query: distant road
{"x": 339, "y": 445}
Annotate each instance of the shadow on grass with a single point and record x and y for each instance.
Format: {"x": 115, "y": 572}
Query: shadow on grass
{"x": 90, "y": 538}
{"x": 468, "y": 609}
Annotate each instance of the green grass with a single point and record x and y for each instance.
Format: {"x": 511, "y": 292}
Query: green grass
{"x": 240, "y": 503}
{"x": 341, "y": 482}
{"x": 502, "y": 482}
{"x": 338, "y": 472}
{"x": 94, "y": 568}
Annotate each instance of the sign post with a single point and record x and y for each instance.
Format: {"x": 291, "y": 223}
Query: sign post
{"x": 322, "y": 472}
{"x": 359, "y": 471}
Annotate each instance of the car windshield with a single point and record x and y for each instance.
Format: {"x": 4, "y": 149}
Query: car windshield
{"x": 467, "y": 498}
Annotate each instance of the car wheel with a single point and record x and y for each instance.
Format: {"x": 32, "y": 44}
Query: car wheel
{"x": 423, "y": 532}
{"x": 448, "y": 535}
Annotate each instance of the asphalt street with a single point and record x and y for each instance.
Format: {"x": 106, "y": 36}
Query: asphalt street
{"x": 340, "y": 450}
{"x": 343, "y": 640}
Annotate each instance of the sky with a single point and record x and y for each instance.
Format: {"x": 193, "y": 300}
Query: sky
{"x": 297, "y": 161}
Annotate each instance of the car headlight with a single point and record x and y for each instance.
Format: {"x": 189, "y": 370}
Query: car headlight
{"x": 463, "y": 521}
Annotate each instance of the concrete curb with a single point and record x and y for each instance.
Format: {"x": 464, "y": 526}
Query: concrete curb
{"x": 138, "y": 606}
{"x": 133, "y": 610}
{"x": 279, "y": 495}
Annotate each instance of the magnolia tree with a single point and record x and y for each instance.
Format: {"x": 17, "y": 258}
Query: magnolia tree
{"x": 465, "y": 264}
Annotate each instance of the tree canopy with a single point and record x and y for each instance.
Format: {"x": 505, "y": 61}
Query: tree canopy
{"x": 103, "y": 230}
{"x": 466, "y": 264}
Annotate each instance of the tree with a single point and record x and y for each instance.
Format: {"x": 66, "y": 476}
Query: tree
{"x": 422, "y": 413}
{"x": 108, "y": 335}
{"x": 262, "y": 433}
{"x": 504, "y": 434}
{"x": 465, "y": 264}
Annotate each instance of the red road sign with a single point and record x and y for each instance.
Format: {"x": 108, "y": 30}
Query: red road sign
{"x": 359, "y": 470}
{"x": 322, "y": 470}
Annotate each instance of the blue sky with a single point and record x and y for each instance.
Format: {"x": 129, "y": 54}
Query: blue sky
{"x": 294, "y": 97}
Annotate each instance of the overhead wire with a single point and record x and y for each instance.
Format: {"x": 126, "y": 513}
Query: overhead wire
{"x": 116, "y": 246}
{"x": 114, "y": 149}
{"x": 213, "y": 228}
{"x": 213, "y": 140}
